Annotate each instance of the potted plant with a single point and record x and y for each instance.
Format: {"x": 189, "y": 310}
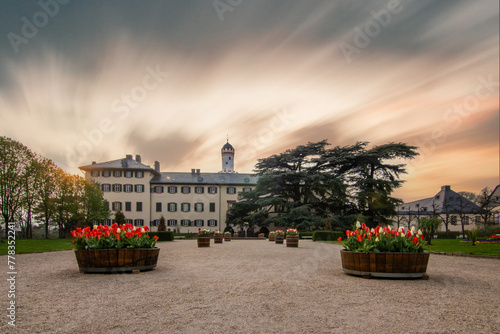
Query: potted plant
{"x": 280, "y": 235}
{"x": 115, "y": 248}
{"x": 204, "y": 238}
{"x": 382, "y": 252}
{"x": 292, "y": 237}
{"x": 218, "y": 237}
{"x": 272, "y": 236}
{"x": 227, "y": 236}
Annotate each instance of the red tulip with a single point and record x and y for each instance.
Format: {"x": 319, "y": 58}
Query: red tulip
{"x": 155, "y": 237}
{"x": 415, "y": 240}
{"x": 339, "y": 239}
{"x": 360, "y": 238}
{"x": 118, "y": 237}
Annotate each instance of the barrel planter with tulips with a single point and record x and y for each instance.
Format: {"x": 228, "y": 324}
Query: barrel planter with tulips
{"x": 382, "y": 252}
{"x": 115, "y": 249}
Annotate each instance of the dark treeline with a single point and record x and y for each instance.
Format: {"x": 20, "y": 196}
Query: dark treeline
{"x": 312, "y": 185}
{"x": 33, "y": 189}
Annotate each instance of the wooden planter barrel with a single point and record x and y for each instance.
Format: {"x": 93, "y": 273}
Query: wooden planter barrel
{"x": 117, "y": 260}
{"x": 227, "y": 237}
{"x": 388, "y": 265}
{"x": 218, "y": 239}
{"x": 272, "y": 238}
{"x": 292, "y": 241}
{"x": 204, "y": 241}
{"x": 279, "y": 239}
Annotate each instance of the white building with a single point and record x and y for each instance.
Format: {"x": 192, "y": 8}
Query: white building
{"x": 187, "y": 201}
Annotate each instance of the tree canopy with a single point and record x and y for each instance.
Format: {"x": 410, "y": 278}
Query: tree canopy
{"x": 301, "y": 187}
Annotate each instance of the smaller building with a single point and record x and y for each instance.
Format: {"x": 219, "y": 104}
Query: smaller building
{"x": 448, "y": 205}
{"x": 493, "y": 205}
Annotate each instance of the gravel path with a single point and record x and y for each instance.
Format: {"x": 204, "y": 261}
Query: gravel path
{"x": 251, "y": 286}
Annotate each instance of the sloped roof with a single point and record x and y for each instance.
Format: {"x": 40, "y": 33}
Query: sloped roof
{"x": 494, "y": 199}
{"x": 204, "y": 178}
{"x": 445, "y": 201}
{"x": 127, "y": 163}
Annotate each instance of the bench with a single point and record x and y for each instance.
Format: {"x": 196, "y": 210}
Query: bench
{"x": 179, "y": 237}
{"x": 307, "y": 237}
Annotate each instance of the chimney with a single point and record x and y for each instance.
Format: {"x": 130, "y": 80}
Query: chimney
{"x": 128, "y": 156}
{"x": 198, "y": 171}
{"x": 192, "y": 170}
{"x": 157, "y": 166}
{"x": 446, "y": 188}
{"x": 93, "y": 162}
{"x": 138, "y": 158}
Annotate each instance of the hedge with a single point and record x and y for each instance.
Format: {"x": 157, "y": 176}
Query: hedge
{"x": 187, "y": 235}
{"x": 305, "y": 234}
{"x": 327, "y": 235}
{"x": 162, "y": 235}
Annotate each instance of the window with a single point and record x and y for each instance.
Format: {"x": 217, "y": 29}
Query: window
{"x": 199, "y": 190}
{"x": 128, "y": 206}
{"x": 185, "y": 207}
{"x": 172, "y": 207}
{"x": 478, "y": 219}
{"x": 117, "y": 188}
{"x": 453, "y": 220}
{"x": 94, "y": 173}
{"x": 172, "y": 222}
{"x": 106, "y": 203}
{"x": 212, "y": 207}
{"x": 117, "y": 173}
{"x": 128, "y": 188}
{"x": 231, "y": 190}
{"x": 129, "y": 221}
{"x": 245, "y": 190}
{"x": 158, "y": 189}
{"x": 212, "y": 222}
{"x": 106, "y": 173}
{"x": 106, "y": 187}
{"x": 212, "y": 190}
{"x": 172, "y": 190}
{"x": 158, "y": 207}
{"x": 107, "y": 222}
{"x": 128, "y": 173}
{"x": 117, "y": 206}
{"x": 198, "y": 222}
{"x": 139, "y": 174}
{"x": 139, "y": 188}
{"x": 138, "y": 207}
{"x": 230, "y": 204}
{"x": 155, "y": 222}
{"x": 198, "y": 207}
{"x": 139, "y": 222}
{"x": 185, "y": 190}
{"x": 185, "y": 222}
{"x": 466, "y": 220}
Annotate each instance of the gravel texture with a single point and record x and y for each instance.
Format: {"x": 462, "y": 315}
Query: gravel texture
{"x": 251, "y": 286}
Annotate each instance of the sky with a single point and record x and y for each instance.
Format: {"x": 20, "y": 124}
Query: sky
{"x": 84, "y": 81}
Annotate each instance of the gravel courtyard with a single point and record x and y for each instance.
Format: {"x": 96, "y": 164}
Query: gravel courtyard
{"x": 251, "y": 286}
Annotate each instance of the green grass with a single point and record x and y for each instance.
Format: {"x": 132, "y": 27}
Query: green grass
{"x": 456, "y": 246}
{"x": 37, "y": 245}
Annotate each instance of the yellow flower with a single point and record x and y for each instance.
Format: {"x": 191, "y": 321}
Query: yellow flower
{"x": 358, "y": 224}
{"x": 118, "y": 230}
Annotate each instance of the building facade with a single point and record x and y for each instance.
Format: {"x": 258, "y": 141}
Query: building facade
{"x": 188, "y": 201}
{"x": 447, "y": 205}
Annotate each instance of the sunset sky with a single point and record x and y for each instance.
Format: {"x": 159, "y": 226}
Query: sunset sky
{"x": 84, "y": 81}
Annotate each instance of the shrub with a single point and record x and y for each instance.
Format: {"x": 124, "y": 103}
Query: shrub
{"x": 429, "y": 226}
{"x": 162, "y": 235}
{"x": 326, "y": 235}
{"x": 473, "y": 236}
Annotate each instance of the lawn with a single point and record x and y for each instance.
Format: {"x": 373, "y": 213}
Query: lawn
{"x": 37, "y": 245}
{"x": 457, "y": 246}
